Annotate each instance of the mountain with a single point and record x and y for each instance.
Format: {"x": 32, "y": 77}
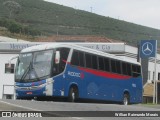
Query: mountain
{"x": 44, "y": 18}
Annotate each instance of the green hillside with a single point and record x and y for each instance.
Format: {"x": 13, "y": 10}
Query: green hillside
{"x": 37, "y": 17}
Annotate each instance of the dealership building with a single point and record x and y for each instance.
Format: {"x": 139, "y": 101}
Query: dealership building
{"x": 11, "y": 48}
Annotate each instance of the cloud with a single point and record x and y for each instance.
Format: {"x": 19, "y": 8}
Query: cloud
{"x": 81, "y": 4}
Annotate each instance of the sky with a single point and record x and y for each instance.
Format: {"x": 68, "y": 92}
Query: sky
{"x": 142, "y": 12}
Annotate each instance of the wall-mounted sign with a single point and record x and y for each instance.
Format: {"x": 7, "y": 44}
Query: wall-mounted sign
{"x": 105, "y": 47}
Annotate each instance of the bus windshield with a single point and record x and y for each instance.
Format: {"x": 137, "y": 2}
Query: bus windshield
{"x": 33, "y": 66}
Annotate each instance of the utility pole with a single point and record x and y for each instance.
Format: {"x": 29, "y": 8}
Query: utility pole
{"x": 57, "y": 24}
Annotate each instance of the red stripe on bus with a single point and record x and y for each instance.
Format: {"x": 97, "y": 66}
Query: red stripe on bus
{"x": 105, "y": 74}
{"x": 66, "y": 62}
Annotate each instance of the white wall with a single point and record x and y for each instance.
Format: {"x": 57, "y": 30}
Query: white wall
{"x": 7, "y": 39}
{"x": 6, "y": 78}
{"x": 151, "y": 70}
{"x": 133, "y": 50}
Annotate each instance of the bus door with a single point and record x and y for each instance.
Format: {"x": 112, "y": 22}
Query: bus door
{"x": 59, "y": 65}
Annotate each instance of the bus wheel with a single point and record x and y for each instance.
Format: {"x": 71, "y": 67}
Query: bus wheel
{"x": 73, "y": 94}
{"x": 126, "y": 99}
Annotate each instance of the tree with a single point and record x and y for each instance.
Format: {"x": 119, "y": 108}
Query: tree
{"x": 13, "y": 7}
{"x": 14, "y": 27}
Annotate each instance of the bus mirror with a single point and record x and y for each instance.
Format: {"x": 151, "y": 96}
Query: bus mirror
{"x": 57, "y": 57}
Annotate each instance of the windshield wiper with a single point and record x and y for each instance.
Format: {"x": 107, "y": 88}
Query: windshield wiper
{"x": 26, "y": 72}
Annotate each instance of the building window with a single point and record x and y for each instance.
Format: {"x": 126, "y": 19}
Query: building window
{"x": 9, "y": 68}
{"x": 149, "y": 76}
{"x": 8, "y": 96}
{"x": 158, "y": 76}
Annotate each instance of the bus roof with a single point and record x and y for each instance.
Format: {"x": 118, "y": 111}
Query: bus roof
{"x": 77, "y": 47}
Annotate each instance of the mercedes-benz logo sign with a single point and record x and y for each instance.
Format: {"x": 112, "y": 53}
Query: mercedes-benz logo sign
{"x": 147, "y": 48}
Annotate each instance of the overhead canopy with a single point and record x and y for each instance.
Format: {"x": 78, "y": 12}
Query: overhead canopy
{"x": 105, "y": 47}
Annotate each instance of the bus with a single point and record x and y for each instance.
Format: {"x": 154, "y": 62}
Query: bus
{"x": 76, "y": 72}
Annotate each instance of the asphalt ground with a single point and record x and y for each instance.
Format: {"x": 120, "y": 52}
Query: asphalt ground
{"x": 50, "y": 108}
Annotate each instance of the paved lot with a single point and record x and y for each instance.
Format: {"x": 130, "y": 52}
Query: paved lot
{"x": 52, "y": 108}
{"x": 150, "y": 106}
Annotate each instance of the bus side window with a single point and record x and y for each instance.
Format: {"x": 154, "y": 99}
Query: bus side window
{"x": 124, "y": 68}
{"x": 129, "y": 69}
{"x": 64, "y": 52}
{"x": 139, "y": 69}
{"x": 94, "y": 62}
{"x": 88, "y": 59}
{"x": 58, "y": 68}
{"x": 118, "y": 66}
{"x": 136, "y": 70}
{"x": 75, "y": 58}
{"x": 101, "y": 63}
{"x": 81, "y": 59}
{"x": 113, "y": 66}
{"x": 107, "y": 64}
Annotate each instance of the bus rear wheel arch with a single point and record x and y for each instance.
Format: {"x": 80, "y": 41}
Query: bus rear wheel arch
{"x": 73, "y": 94}
{"x": 126, "y": 98}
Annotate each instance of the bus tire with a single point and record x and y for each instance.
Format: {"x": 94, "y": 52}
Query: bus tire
{"x": 125, "y": 99}
{"x": 73, "y": 94}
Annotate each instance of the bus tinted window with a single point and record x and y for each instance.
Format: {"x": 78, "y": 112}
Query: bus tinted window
{"x": 94, "y": 62}
{"x": 124, "y": 68}
{"x": 118, "y": 67}
{"x": 101, "y": 63}
{"x": 113, "y": 66}
{"x": 129, "y": 69}
{"x": 81, "y": 59}
{"x": 107, "y": 64}
{"x": 136, "y": 70}
{"x": 58, "y": 68}
{"x": 88, "y": 60}
{"x": 75, "y": 58}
